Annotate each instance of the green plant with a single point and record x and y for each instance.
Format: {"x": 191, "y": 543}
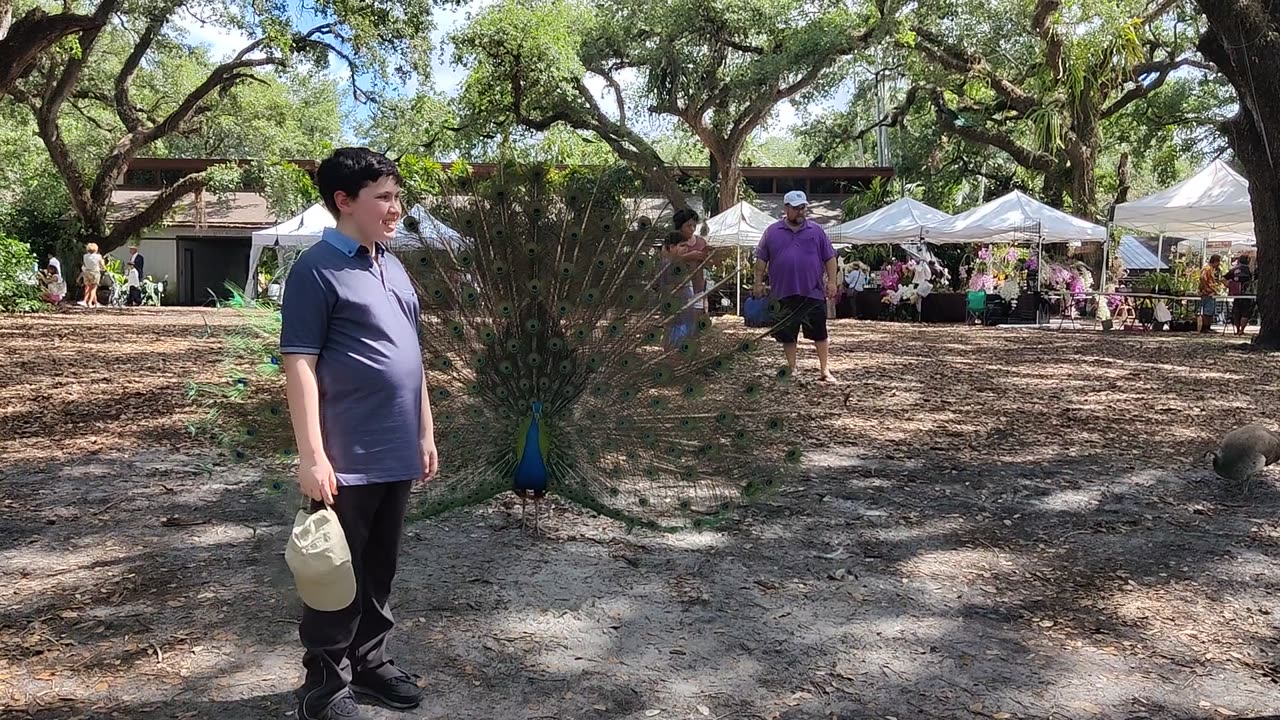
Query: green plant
{"x": 19, "y": 290}
{"x": 869, "y": 199}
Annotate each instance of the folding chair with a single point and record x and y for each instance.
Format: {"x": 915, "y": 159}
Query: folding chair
{"x": 976, "y": 307}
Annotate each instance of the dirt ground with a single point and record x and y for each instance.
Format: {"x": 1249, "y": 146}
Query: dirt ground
{"x": 988, "y": 524}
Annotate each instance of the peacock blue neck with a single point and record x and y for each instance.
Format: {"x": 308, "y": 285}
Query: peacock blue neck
{"x": 531, "y": 473}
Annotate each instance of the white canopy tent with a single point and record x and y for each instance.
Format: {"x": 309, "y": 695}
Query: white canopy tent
{"x": 302, "y": 230}
{"x": 1214, "y": 200}
{"x": 1213, "y": 205}
{"x": 740, "y": 226}
{"x": 306, "y": 228}
{"x": 1014, "y": 217}
{"x": 902, "y": 221}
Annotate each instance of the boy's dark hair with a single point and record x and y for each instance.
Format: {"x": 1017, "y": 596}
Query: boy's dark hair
{"x": 673, "y": 238}
{"x": 1215, "y": 259}
{"x": 1243, "y": 260}
{"x": 683, "y": 216}
{"x": 349, "y": 170}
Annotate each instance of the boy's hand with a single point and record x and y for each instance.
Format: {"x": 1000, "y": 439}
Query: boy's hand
{"x": 316, "y": 479}
{"x": 430, "y": 459}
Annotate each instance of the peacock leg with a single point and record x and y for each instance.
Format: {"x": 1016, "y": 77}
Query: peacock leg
{"x": 524, "y": 518}
{"x": 537, "y": 516}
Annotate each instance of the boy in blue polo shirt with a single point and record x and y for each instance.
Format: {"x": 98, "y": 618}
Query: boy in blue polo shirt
{"x": 358, "y": 402}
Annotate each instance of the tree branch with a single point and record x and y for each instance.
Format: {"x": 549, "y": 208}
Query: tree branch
{"x": 1042, "y": 24}
{"x": 121, "y": 100}
{"x": 222, "y": 77}
{"x": 132, "y": 226}
{"x": 613, "y": 84}
{"x": 36, "y": 31}
{"x": 1141, "y": 90}
{"x": 1024, "y": 156}
{"x": 962, "y": 61}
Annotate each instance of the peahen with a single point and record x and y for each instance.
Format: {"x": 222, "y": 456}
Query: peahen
{"x": 563, "y": 356}
{"x": 1244, "y": 452}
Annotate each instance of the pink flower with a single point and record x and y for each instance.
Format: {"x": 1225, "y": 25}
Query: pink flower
{"x": 984, "y": 253}
{"x": 1011, "y": 255}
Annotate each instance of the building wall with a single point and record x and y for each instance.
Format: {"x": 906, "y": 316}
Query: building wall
{"x": 161, "y": 262}
{"x": 160, "y": 247}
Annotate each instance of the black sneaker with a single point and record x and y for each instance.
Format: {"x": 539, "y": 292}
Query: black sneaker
{"x": 342, "y": 707}
{"x": 399, "y": 690}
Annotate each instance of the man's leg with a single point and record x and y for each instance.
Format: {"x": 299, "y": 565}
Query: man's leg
{"x": 327, "y": 635}
{"x": 787, "y": 332}
{"x": 815, "y": 329}
{"x": 792, "y": 350}
{"x": 368, "y": 652}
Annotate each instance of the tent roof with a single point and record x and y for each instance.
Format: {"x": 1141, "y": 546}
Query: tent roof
{"x": 1214, "y": 200}
{"x": 302, "y": 229}
{"x": 307, "y": 227}
{"x": 1137, "y": 256}
{"x": 901, "y": 221}
{"x": 431, "y": 231}
{"x": 741, "y": 225}
{"x": 1014, "y": 217}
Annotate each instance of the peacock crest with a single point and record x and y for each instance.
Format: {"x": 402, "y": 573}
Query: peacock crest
{"x": 564, "y": 356}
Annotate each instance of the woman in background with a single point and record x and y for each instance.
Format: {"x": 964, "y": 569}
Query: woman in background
{"x": 91, "y": 274}
{"x": 1240, "y": 282}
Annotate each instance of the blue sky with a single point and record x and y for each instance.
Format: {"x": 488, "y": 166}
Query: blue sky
{"x": 446, "y": 77}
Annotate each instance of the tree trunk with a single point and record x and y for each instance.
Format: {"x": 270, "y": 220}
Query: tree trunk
{"x": 730, "y": 181}
{"x": 1243, "y": 40}
{"x": 1264, "y": 193}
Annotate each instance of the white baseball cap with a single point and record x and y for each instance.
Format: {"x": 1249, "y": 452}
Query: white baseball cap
{"x": 795, "y": 198}
{"x": 320, "y": 560}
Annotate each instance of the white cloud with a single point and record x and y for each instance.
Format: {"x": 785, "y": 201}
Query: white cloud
{"x": 222, "y": 42}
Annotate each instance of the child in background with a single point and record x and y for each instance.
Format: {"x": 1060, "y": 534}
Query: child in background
{"x": 134, "y": 284}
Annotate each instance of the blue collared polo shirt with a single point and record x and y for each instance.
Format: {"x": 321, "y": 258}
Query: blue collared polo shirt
{"x": 359, "y": 314}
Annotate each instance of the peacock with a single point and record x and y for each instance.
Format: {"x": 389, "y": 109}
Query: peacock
{"x": 1245, "y": 452}
{"x": 564, "y": 356}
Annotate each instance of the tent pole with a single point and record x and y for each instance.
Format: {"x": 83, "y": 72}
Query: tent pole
{"x": 738, "y": 284}
{"x": 1106, "y": 257}
{"x": 1160, "y": 251}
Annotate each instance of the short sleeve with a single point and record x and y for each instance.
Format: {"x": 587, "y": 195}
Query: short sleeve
{"x": 762, "y": 247}
{"x": 825, "y": 248}
{"x": 304, "y": 312}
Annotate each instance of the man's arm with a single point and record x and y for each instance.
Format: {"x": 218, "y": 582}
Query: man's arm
{"x": 758, "y": 286}
{"x": 430, "y": 459}
{"x": 833, "y": 277}
{"x": 315, "y": 474}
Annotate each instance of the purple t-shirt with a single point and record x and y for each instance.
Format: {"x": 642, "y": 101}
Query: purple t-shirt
{"x": 796, "y": 258}
{"x": 360, "y": 316}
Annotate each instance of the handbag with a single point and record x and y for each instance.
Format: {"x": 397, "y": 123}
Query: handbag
{"x": 755, "y": 312}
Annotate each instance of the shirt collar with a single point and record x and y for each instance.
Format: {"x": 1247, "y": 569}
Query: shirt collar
{"x": 345, "y": 243}
{"x": 787, "y": 226}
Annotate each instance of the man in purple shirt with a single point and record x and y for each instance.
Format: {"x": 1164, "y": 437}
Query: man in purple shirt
{"x": 797, "y": 255}
{"x": 359, "y": 405}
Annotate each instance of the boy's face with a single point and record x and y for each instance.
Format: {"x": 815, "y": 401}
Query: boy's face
{"x": 374, "y": 211}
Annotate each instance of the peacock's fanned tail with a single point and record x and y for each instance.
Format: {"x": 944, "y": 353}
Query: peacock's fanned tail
{"x": 548, "y": 291}
{"x": 656, "y": 417}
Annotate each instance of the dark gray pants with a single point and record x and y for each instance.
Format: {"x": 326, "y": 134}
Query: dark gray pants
{"x": 352, "y": 642}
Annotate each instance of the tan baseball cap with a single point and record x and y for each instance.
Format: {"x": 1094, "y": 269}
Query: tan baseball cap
{"x": 320, "y": 561}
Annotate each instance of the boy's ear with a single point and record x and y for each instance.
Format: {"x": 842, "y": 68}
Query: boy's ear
{"x": 342, "y": 200}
